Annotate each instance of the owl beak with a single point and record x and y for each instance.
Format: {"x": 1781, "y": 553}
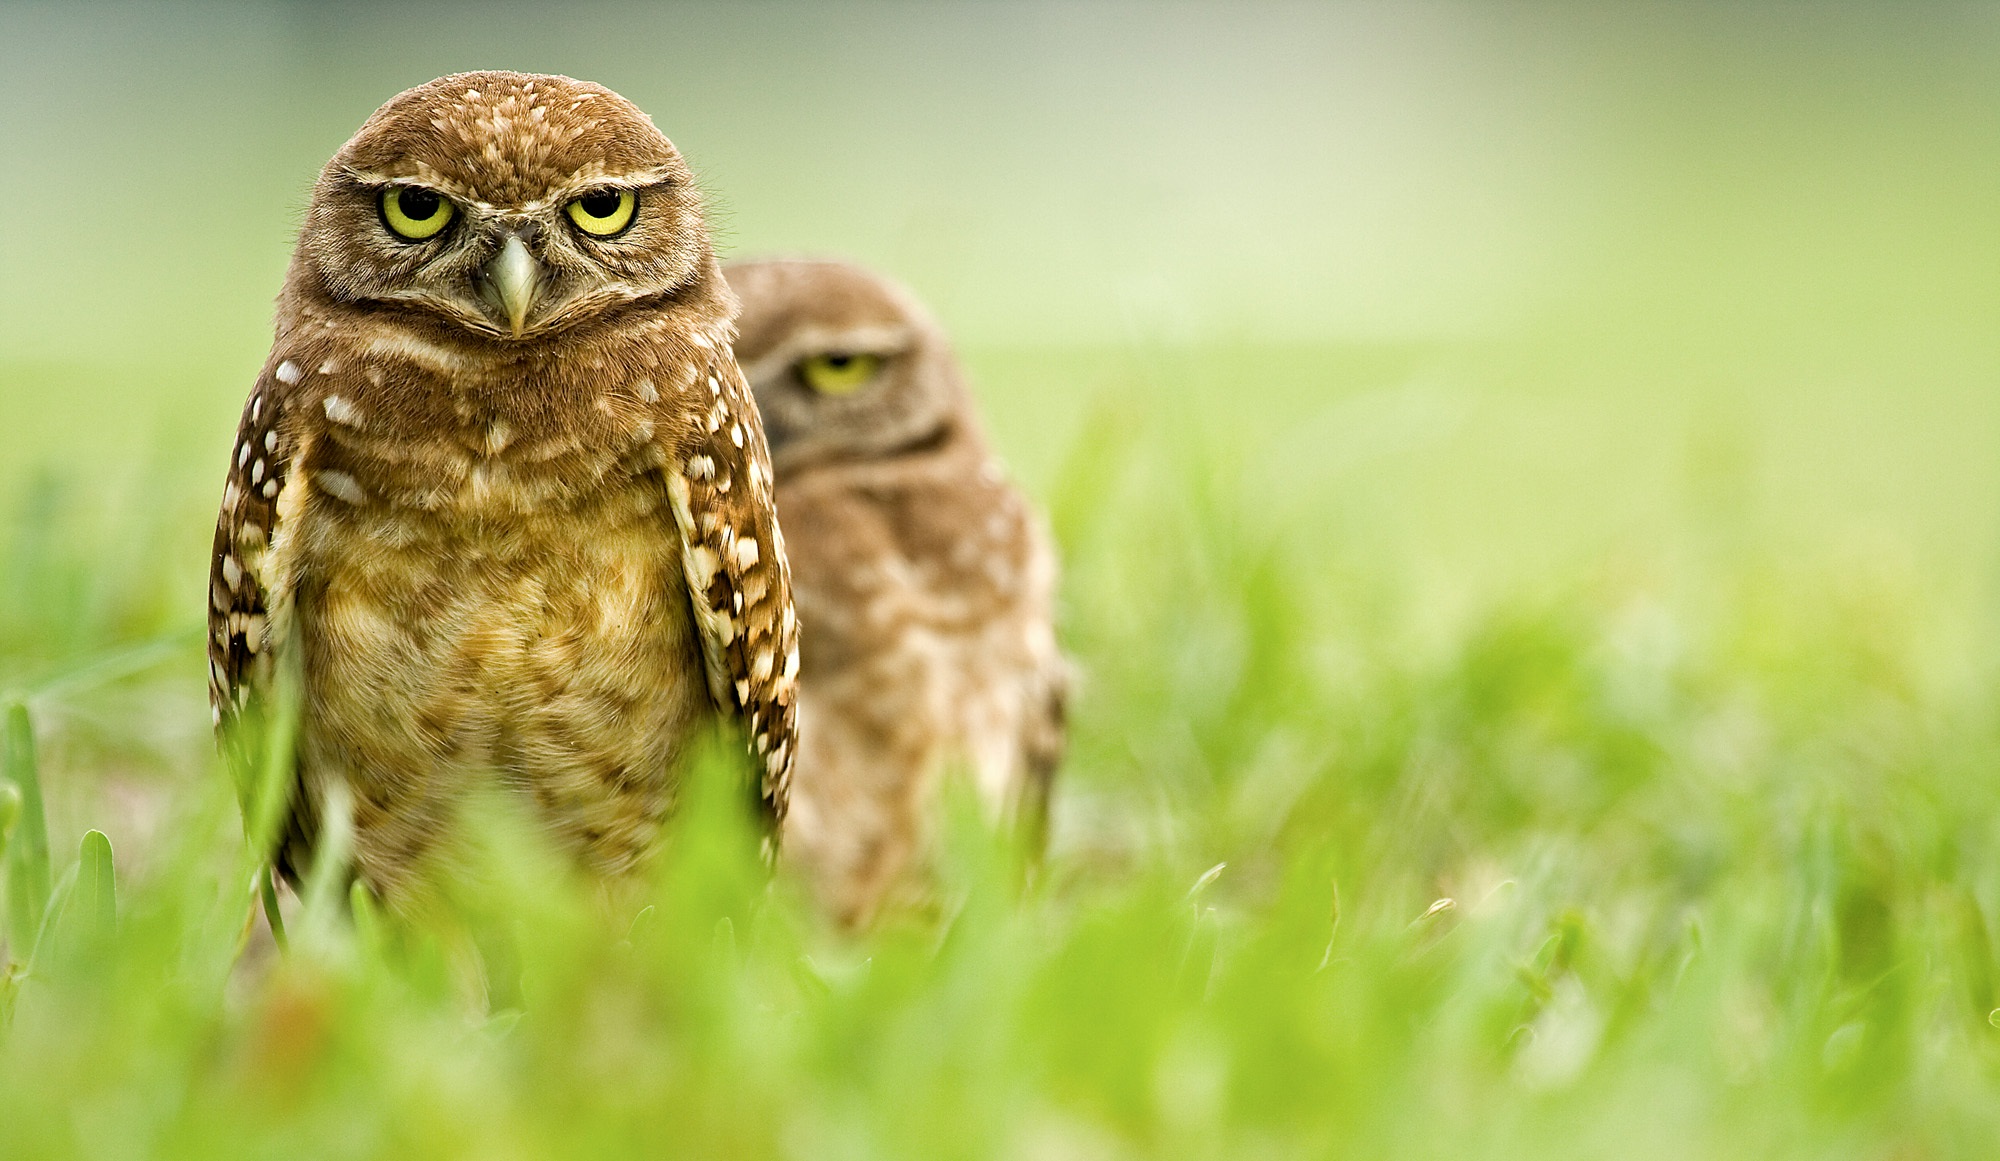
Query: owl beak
{"x": 515, "y": 278}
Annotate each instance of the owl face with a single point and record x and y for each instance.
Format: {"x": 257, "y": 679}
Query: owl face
{"x": 507, "y": 204}
{"x": 845, "y": 365}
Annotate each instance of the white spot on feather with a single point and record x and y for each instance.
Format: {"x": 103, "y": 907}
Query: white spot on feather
{"x": 340, "y": 486}
{"x": 253, "y": 631}
{"x": 701, "y": 565}
{"x": 397, "y": 344}
{"x": 341, "y": 411}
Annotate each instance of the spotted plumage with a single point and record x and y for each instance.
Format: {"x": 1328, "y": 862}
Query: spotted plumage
{"x": 500, "y": 496}
{"x": 923, "y": 578}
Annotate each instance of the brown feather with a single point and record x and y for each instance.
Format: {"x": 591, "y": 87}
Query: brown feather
{"x": 924, "y": 581}
{"x": 476, "y": 547}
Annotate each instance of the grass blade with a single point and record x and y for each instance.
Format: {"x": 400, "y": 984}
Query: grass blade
{"x": 368, "y": 924}
{"x": 114, "y": 665}
{"x": 96, "y": 884}
{"x": 270, "y": 801}
{"x": 28, "y": 851}
{"x": 267, "y": 892}
{"x": 10, "y": 813}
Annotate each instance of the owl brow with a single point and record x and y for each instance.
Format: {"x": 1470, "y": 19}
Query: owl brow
{"x": 376, "y": 184}
{"x": 594, "y": 177}
{"x": 375, "y": 179}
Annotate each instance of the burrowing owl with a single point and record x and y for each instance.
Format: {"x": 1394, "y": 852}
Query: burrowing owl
{"x": 923, "y": 579}
{"x": 500, "y": 496}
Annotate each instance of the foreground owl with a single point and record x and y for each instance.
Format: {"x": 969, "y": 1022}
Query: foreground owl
{"x": 923, "y": 580}
{"x": 500, "y": 497}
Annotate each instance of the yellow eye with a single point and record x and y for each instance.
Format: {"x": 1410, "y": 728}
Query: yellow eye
{"x": 416, "y": 213}
{"x": 604, "y": 212}
{"x": 839, "y": 374}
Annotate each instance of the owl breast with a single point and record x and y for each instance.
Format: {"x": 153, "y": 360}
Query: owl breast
{"x": 467, "y": 621}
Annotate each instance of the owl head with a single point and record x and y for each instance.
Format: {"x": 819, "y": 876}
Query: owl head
{"x": 508, "y": 204}
{"x": 844, "y": 363}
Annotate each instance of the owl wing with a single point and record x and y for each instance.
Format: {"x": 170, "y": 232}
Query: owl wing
{"x": 738, "y": 580}
{"x": 245, "y": 593}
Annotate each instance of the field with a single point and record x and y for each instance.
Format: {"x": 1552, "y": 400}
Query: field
{"x": 1529, "y": 495}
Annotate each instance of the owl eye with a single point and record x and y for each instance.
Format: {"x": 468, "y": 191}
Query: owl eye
{"x": 415, "y": 213}
{"x": 839, "y": 373}
{"x": 603, "y": 213}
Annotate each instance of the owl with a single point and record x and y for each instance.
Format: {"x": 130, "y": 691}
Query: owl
{"x": 500, "y": 502}
{"x": 923, "y": 578}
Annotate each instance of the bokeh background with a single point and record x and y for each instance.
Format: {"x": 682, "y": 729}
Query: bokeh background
{"x": 1606, "y": 265}
{"x": 1589, "y": 249}
{"x": 1474, "y": 296}
{"x": 1540, "y": 458}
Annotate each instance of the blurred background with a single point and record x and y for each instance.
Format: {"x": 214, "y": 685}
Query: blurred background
{"x": 1563, "y": 270}
{"x": 1460, "y": 299}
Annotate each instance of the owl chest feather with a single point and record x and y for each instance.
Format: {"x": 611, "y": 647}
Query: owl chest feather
{"x": 474, "y": 610}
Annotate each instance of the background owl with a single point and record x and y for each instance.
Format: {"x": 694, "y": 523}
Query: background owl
{"x": 500, "y": 496}
{"x": 924, "y": 581}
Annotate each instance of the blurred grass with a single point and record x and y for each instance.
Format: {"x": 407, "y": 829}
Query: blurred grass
{"x": 1529, "y": 501}
{"x": 1715, "y": 818}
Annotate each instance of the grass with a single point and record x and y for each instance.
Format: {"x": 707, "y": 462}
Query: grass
{"x": 1683, "y": 846}
{"x": 1569, "y": 730}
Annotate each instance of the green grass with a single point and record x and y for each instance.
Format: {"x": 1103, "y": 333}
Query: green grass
{"x": 1531, "y": 518}
{"x": 1384, "y": 833}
